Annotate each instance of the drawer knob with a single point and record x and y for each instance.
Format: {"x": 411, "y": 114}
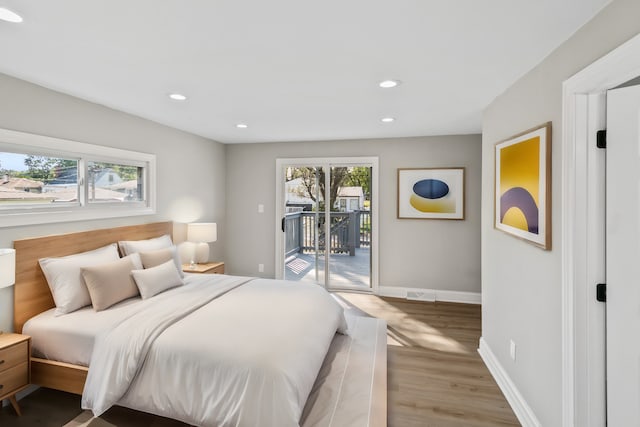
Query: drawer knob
{"x": 1, "y": 362}
{"x": 1, "y": 386}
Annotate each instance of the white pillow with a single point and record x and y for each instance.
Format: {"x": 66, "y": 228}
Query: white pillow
{"x": 160, "y": 256}
{"x": 65, "y": 280}
{"x": 154, "y": 280}
{"x": 128, "y": 247}
{"x": 112, "y": 282}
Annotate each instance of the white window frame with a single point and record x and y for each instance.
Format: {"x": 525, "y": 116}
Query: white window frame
{"x": 27, "y": 143}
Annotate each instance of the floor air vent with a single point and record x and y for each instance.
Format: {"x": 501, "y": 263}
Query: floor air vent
{"x": 421, "y": 295}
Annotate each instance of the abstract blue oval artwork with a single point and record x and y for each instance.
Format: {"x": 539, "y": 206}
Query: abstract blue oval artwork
{"x": 430, "y": 195}
{"x": 431, "y": 188}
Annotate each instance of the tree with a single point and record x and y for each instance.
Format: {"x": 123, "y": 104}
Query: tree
{"x": 360, "y": 176}
{"x": 308, "y": 176}
{"x": 40, "y": 168}
{"x": 126, "y": 173}
{"x": 62, "y": 169}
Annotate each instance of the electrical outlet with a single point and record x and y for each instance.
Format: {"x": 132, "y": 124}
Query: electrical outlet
{"x": 260, "y": 208}
{"x": 512, "y": 350}
{"x": 260, "y": 268}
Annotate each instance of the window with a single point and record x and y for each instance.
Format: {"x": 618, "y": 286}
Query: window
{"x": 112, "y": 182}
{"x": 74, "y": 181}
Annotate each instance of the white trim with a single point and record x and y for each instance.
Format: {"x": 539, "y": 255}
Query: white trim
{"x": 328, "y": 162}
{"x": 519, "y": 405}
{"x": 431, "y": 294}
{"x": 22, "y": 142}
{"x": 617, "y": 67}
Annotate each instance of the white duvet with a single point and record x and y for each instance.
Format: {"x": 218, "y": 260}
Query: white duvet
{"x": 219, "y": 351}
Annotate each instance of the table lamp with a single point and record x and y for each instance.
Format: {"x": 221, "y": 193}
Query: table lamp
{"x": 201, "y": 233}
{"x": 7, "y": 268}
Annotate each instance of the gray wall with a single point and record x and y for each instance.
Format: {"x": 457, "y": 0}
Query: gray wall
{"x": 521, "y": 285}
{"x": 443, "y": 255}
{"x": 191, "y": 169}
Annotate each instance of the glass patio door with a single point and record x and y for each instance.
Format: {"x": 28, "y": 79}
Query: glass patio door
{"x": 327, "y": 217}
{"x": 303, "y": 224}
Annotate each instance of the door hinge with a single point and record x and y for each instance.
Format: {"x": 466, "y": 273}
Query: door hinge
{"x": 601, "y": 292}
{"x": 601, "y": 139}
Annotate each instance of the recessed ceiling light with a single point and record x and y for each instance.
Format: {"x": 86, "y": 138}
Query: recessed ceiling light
{"x": 387, "y": 119}
{"x": 9, "y": 16}
{"x": 389, "y": 83}
{"x": 242, "y": 126}
{"x": 177, "y": 97}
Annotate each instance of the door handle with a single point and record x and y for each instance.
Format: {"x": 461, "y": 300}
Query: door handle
{"x": 283, "y": 219}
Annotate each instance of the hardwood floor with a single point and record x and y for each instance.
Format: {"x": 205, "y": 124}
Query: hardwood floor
{"x": 435, "y": 376}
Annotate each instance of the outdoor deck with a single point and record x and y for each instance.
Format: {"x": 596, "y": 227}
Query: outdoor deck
{"x": 345, "y": 270}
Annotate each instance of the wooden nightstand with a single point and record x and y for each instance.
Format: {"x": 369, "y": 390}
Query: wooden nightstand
{"x": 208, "y": 268}
{"x": 15, "y": 372}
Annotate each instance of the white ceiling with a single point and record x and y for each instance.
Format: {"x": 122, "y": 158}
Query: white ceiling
{"x": 291, "y": 69}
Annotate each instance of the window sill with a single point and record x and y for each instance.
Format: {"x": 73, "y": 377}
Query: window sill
{"x": 69, "y": 215}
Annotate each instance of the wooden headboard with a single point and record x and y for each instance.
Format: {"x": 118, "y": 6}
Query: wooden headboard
{"x": 31, "y": 293}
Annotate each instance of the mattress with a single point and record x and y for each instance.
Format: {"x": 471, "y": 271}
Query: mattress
{"x": 70, "y": 338}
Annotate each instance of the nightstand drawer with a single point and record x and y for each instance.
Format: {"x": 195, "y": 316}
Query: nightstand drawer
{"x": 14, "y": 378}
{"x": 217, "y": 270}
{"x": 12, "y": 356}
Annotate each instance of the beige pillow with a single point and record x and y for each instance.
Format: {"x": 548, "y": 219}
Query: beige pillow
{"x": 127, "y": 247}
{"x": 160, "y": 256}
{"x": 152, "y": 281}
{"x": 65, "y": 279}
{"x": 112, "y": 282}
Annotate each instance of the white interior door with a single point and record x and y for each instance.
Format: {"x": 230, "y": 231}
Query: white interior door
{"x": 623, "y": 257}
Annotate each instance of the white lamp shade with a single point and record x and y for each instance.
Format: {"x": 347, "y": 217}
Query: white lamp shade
{"x": 202, "y": 232}
{"x": 7, "y": 267}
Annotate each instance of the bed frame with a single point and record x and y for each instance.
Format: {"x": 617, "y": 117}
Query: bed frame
{"x": 32, "y": 295}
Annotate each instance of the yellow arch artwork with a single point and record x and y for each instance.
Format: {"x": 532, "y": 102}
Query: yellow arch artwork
{"x": 520, "y": 168}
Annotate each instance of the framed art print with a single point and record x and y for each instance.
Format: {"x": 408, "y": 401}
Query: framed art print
{"x": 431, "y": 193}
{"x": 523, "y": 186}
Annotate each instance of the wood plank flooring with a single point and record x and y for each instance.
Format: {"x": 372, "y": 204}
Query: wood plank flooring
{"x": 435, "y": 376}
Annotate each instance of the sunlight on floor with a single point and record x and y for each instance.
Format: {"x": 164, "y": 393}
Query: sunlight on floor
{"x": 403, "y": 329}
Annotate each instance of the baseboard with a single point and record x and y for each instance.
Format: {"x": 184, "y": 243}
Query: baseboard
{"x": 430, "y": 294}
{"x": 520, "y": 407}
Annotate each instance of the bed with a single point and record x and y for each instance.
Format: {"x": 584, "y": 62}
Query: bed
{"x": 349, "y": 389}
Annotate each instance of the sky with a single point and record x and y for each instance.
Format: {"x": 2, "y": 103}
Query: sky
{"x": 12, "y": 161}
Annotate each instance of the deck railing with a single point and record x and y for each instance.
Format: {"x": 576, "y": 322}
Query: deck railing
{"x": 348, "y": 231}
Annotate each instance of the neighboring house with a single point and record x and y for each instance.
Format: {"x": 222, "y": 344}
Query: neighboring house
{"x": 68, "y": 180}
{"x": 129, "y": 188}
{"x": 97, "y": 194}
{"x": 21, "y": 184}
{"x": 103, "y": 178}
{"x": 67, "y": 177}
{"x": 350, "y": 199}
{"x": 106, "y": 178}
{"x": 13, "y": 196}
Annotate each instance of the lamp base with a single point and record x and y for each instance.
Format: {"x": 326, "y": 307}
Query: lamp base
{"x": 201, "y": 253}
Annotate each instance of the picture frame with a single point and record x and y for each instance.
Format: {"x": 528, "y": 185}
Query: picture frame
{"x": 522, "y": 191}
{"x": 430, "y": 193}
